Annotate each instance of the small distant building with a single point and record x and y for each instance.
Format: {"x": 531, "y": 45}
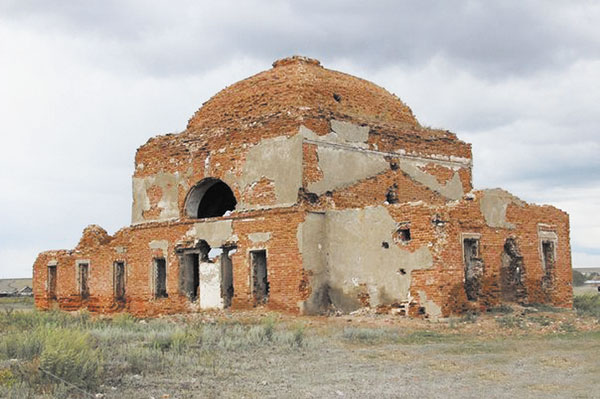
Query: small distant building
{"x": 16, "y": 287}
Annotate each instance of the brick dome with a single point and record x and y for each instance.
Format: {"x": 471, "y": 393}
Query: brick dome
{"x": 300, "y": 87}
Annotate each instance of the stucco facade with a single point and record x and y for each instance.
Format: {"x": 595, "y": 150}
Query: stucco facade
{"x": 308, "y": 190}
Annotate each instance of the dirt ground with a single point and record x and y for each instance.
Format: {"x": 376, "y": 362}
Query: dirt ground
{"x": 538, "y": 355}
{"x": 519, "y": 352}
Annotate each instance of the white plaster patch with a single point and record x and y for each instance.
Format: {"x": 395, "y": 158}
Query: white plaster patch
{"x": 163, "y": 245}
{"x": 210, "y": 286}
{"x": 350, "y": 132}
{"x": 277, "y": 159}
{"x": 433, "y": 310}
{"x": 216, "y": 233}
{"x": 493, "y": 206}
{"x": 355, "y": 255}
{"x": 453, "y": 189}
{"x": 168, "y": 203}
{"x": 342, "y": 168}
{"x": 259, "y": 237}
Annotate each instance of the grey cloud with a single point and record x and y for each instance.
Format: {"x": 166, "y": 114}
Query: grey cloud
{"x": 123, "y": 71}
{"x": 491, "y": 39}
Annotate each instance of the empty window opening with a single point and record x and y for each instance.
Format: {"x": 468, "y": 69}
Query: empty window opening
{"x": 226, "y": 278}
{"x": 189, "y": 280}
{"x": 260, "y": 282}
{"x": 511, "y": 272}
{"x": 209, "y": 198}
{"x": 119, "y": 280}
{"x": 160, "y": 278}
{"x": 402, "y": 235}
{"x": 547, "y": 255}
{"x": 51, "y": 281}
{"x": 83, "y": 274}
{"x": 473, "y": 268}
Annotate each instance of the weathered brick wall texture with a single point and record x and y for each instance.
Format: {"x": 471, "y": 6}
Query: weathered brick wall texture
{"x": 375, "y": 155}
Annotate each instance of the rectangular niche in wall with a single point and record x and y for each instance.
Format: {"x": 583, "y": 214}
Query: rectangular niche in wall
{"x": 160, "y": 278}
{"x": 548, "y": 242}
{"x": 547, "y": 255}
{"x": 473, "y": 265}
{"x": 190, "y": 275}
{"x": 226, "y": 277}
{"x": 119, "y": 280}
{"x": 51, "y": 283}
{"x": 83, "y": 270}
{"x": 260, "y": 282}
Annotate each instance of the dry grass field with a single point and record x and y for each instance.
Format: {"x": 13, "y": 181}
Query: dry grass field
{"x": 511, "y": 352}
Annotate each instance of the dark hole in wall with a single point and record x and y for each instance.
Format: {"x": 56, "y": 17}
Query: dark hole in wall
{"x": 84, "y": 289}
{"x": 337, "y": 97}
{"x": 391, "y": 195}
{"x": 404, "y": 234}
{"x": 548, "y": 255}
{"x": 260, "y": 282}
{"x": 308, "y": 196}
{"x": 189, "y": 269}
{"x": 160, "y": 279}
{"x": 119, "y": 280}
{"x": 217, "y": 200}
{"x": 402, "y": 271}
{"x": 51, "y": 282}
{"x": 511, "y": 272}
{"x": 385, "y": 244}
{"x": 473, "y": 268}
{"x": 548, "y": 264}
{"x": 394, "y": 165}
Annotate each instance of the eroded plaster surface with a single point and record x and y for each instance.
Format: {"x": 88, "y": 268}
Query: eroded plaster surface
{"x": 168, "y": 184}
{"x": 216, "y": 233}
{"x": 312, "y": 245}
{"x": 432, "y": 309}
{"x": 342, "y": 168}
{"x": 259, "y": 237}
{"x": 493, "y": 206}
{"x": 355, "y": 261}
{"x": 350, "y": 132}
{"x": 347, "y": 134}
{"x": 162, "y": 245}
{"x": 453, "y": 189}
{"x": 277, "y": 159}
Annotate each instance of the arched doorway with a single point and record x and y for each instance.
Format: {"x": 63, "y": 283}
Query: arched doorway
{"x": 209, "y": 198}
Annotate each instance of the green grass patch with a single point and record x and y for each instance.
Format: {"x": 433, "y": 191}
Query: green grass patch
{"x": 587, "y": 305}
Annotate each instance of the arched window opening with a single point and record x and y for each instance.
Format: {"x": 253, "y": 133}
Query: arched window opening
{"x": 209, "y": 198}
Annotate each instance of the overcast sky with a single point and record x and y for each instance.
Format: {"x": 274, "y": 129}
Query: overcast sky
{"x": 84, "y": 83}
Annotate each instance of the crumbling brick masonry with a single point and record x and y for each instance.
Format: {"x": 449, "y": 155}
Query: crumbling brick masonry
{"x": 308, "y": 190}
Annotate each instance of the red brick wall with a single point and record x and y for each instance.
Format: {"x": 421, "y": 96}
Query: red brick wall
{"x": 284, "y": 266}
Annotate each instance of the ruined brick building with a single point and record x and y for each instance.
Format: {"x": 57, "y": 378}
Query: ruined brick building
{"x": 309, "y": 190}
